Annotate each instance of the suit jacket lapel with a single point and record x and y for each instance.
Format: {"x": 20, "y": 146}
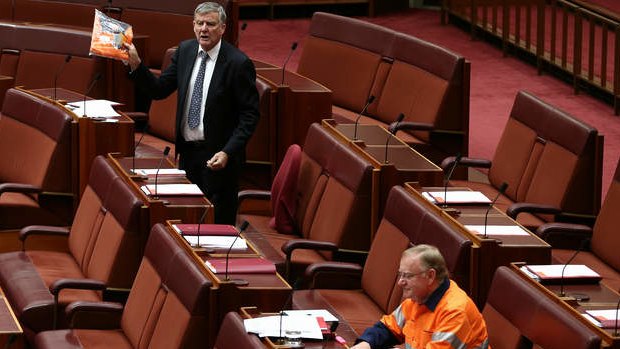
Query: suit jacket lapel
{"x": 218, "y": 74}
{"x": 185, "y": 70}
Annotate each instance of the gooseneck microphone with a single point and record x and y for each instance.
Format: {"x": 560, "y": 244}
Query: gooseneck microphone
{"x": 293, "y": 48}
{"x": 502, "y": 189}
{"x": 240, "y": 282}
{"x": 243, "y": 26}
{"x": 202, "y": 218}
{"x": 368, "y": 103}
{"x": 616, "y": 322}
{"x": 62, "y": 67}
{"x": 582, "y": 246}
{"x": 399, "y": 119}
{"x": 90, "y": 87}
{"x": 446, "y": 178}
{"x": 135, "y": 147}
{"x": 161, "y": 161}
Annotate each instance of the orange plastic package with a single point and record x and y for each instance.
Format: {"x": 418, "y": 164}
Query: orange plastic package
{"x": 109, "y": 36}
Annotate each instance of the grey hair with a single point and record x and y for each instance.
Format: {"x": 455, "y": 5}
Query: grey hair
{"x": 208, "y": 7}
{"x": 430, "y": 257}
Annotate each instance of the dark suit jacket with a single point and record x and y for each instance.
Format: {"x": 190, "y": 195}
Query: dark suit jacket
{"x": 231, "y": 111}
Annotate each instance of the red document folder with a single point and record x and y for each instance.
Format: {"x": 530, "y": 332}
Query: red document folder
{"x": 241, "y": 266}
{"x": 206, "y": 229}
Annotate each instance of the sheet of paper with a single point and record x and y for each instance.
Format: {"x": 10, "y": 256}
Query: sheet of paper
{"x": 327, "y": 316}
{"x": 291, "y": 326}
{"x": 456, "y": 197}
{"x": 498, "y": 230}
{"x": 162, "y": 172}
{"x": 171, "y": 189}
{"x": 95, "y": 108}
{"x": 555, "y": 270}
{"x": 217, "y": 241}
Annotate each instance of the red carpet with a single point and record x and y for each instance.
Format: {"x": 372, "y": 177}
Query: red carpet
{"x": 495, "y": 80}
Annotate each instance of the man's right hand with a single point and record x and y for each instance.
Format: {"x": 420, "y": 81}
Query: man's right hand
{"x": 361, "y": 345}
{"x": 134, "y": 59}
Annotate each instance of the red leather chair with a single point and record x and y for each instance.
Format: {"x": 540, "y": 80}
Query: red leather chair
{"x": 169, "y": 306}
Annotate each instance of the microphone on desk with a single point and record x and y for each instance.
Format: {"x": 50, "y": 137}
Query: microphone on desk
{"x": 240, "y": 282}
{"x": 502, "y": 190}
{"x": 582, "y": 246}
{"x": 616, "y": 322}
{"x": 161, "y": 161}
{"x": 90, "y": 87}
{"x": 446, "y": 178}
{"x": 399, "y": 119}
{"x": 293, "y": 48}
{"x": 62, "y": 67}
{"x": 135, "y": 147}
{"x": 243, "y": 26}
{"x": 204, "y": 214}
{"x": 285, "y": 341}
{"x": 368, "y": 103}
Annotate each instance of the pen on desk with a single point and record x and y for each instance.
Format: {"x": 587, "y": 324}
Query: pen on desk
{"x": 341, "y": 340}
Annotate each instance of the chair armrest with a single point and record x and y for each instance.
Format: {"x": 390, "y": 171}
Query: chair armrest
{"x": 19, "y": 188}
{"x": 410, "y": 125}
{"x": 254, "y": 194}
{"x": 295, "y": 244}
{"x": 94, "y": 315}
{"x": 565, "y": 235}
{"x": 137, "y": 115}
{"x": 81, "y": 284}
{"x": 519, "y": 207}
{"x": 334, "y": 275}
{"x": 40, "y": 230}
{"x": 448, "y": 162}
{"x": 6, "y": 82}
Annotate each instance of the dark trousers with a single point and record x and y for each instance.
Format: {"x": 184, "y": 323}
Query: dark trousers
{"x": 220, "y": 187}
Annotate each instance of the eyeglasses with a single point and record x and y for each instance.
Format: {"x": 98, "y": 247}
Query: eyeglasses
{"x": 408, "y": 276}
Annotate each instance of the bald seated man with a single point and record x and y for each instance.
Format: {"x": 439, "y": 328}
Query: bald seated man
{"x": 435, "y": 312}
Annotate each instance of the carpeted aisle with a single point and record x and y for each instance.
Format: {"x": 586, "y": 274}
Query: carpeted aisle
{"x": 495, "y": 79}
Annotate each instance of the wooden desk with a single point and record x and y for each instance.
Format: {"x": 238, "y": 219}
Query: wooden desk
{"x": 493, "y": 251}
{"x": 265, "y": 291}
{"x": 187, "y": 208}
{"x": 403, "y": 164}
{"x": 95, "y": 137}
{"x": 10, "y": 329}
{"x": 601, "y": 297}
{"x": 300, "y": 101}
{"x": 344, "y": 330}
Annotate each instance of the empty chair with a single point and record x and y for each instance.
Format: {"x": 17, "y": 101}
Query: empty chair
{"x": 232, "y": 335}
{"x": 604, "y": 245}
{"x": 168, "y": 306}
{"x": 104, "y": 244}
{"x": 551, "y": 162}
{"x": 333, "y": 200}
{"x": 518, "y": 316}
{"x": 36, "y": 166}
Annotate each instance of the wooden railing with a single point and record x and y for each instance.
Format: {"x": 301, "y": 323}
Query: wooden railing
{"x": 562, "y": 34}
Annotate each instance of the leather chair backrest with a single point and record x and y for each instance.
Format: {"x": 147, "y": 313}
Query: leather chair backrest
{"x": 108, "y": 235}
{"x": 317, "y": 149}
{"x": 6, "y": 9}
{"x": 548, "y": 157}
{"x": 232, "y": 335}
{"x": 35, "y": 138}
{"x": 57, "y": 12}
{"x": 419, "y": 83}
{"x": 605, "y": 241}
{"x": 169, "y": 302}
{"x": 344, "y": 54}
{"x": 344, "y": 209}
{"x": 517, "y": 315}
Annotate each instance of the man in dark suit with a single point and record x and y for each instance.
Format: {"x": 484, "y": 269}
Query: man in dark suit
{"x": 217, "y": 106}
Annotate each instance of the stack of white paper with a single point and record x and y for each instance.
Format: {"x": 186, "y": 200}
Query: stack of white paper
{"x": 217, "y": 241}
{"x": 290, "y": 326}
{"x": 497, "y": 230}
{"x": 456, "y": 197}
